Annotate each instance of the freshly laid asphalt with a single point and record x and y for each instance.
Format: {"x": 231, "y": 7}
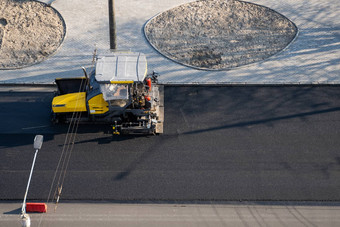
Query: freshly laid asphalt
{"x": 219, "y": 143}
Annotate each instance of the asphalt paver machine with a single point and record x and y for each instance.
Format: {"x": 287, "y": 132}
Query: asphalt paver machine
{"x": 118, "y": 92}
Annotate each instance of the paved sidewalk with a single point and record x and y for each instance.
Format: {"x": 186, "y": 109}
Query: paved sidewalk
{"x": 214, "y": 215}
{"x": 314, "y": 57}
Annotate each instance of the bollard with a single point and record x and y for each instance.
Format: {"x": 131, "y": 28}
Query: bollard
{"x": 25, "y": 220}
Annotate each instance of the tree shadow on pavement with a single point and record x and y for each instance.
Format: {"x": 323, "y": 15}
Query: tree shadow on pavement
{"x": 139, "y": 160}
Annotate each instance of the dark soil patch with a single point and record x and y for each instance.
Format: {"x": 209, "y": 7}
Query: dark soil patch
{"x": 219, "y": 34}
{"x": 30, "y": 31}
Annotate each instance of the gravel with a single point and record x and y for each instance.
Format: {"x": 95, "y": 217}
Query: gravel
{"x": 219, "y": 34}
{"x": 30, "y": 32}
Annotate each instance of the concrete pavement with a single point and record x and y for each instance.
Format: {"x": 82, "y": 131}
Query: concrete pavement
{"x": 166, "y": 215}
{"x": 314, "y": 57}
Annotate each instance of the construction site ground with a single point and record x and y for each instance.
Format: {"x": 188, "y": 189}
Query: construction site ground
{"x": 313, "y": 58}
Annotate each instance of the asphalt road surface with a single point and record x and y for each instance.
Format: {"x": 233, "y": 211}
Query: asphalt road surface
{"x": 219, "y": 143}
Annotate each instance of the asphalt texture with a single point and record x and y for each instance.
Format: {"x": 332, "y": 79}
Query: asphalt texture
{"x": 219, "y": 143}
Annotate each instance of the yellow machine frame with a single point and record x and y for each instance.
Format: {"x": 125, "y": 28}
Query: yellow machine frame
{"x": 73, "y": 102}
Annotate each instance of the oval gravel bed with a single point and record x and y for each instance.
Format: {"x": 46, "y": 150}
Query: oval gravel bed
{"x": 30, "y": 31}
{"x": 219, "y": 34}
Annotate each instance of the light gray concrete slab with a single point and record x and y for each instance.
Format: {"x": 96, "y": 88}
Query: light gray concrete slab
{"x": 108, "y": 214}
{"x": 314, "y": 57}
{"x": 86, "y": 29}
